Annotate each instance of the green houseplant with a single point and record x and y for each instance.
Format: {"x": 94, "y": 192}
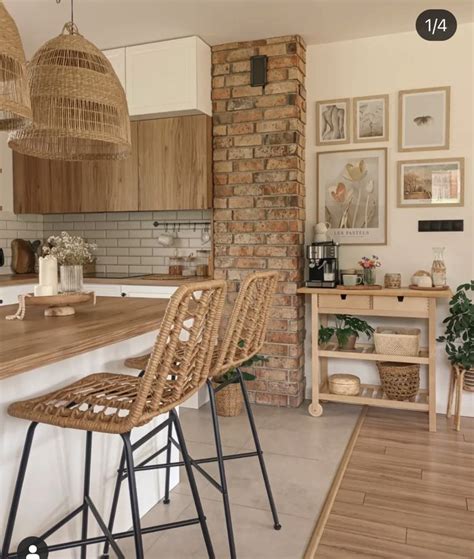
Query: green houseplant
{"x": 347, "y": 329}
{"x": 229, "y": 399}
{"x": 459, "y": 332}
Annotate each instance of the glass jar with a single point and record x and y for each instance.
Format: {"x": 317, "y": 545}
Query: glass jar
{"x": 71, "y": 278}
{"x": 369, "y": 276}
{"x": 438, "y": 268}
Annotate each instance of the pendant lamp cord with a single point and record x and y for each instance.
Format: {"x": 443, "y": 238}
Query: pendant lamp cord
{"x": 71, "y": 27}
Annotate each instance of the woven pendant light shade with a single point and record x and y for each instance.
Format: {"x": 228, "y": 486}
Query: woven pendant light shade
{"x": 15, "y": 107}
{"x": 79, "y": 106}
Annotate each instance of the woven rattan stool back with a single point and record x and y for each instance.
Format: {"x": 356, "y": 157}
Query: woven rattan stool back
{"x": 246, "y": 329}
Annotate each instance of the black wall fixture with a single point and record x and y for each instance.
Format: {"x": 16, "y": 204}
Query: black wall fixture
{"x": 258, "y": 70}
{"x": 428, "y": 226}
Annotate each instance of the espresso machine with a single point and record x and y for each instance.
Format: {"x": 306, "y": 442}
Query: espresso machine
{"x": 323, "y": 264}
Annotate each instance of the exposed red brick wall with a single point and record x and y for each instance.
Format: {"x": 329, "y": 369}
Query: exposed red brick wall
{"x": 259, "y": 143}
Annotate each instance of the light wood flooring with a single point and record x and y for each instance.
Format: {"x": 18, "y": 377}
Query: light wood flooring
{"x": 406, "y": 493}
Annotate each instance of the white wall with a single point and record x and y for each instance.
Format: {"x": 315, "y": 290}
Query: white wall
{"x": 387, "y": 64}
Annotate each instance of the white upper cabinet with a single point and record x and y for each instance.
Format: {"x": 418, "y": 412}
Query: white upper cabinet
{"x": 169, "y": 78}
{"x": 117, "y": 59}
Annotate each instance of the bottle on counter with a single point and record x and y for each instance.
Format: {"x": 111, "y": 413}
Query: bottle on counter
{"x": 438, "y": 268}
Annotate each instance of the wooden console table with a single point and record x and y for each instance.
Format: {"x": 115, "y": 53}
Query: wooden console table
{"x": 395, "y": 303}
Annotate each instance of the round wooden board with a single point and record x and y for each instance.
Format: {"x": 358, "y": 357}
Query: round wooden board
{"x": 359, "y": 287}
{"x": 59, "y": 300}
{"x": 418, "y": 288}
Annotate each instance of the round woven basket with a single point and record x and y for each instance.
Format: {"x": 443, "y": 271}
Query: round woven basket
{"x": 400, "y": 381}
{"x": 229, "y": 400}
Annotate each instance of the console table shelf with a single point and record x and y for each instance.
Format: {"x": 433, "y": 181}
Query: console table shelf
{"x": 393, "y": 303}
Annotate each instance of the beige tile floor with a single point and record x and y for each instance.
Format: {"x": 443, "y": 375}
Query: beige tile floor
{"x": 302, "y": 454}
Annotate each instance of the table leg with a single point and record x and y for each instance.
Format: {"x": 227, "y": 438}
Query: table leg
{"x": 315, "y": 409}
{"x": 432, "y": 363}
{"x": 451, "y": 394}
{"x": 459, "y": 399}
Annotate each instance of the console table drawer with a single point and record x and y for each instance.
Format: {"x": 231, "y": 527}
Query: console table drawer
{"x": 344, "y": 302}
{"x": 409, "y": 304}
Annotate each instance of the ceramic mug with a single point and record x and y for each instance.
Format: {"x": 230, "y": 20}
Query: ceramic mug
{"x": 350, "y": 280}
{"x": 165, "y": 240}
{"x": 322, "y": 227}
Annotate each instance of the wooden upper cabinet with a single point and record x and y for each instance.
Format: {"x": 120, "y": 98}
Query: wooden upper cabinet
{"x": 175, "y": 160}
{"x": 31, "y": 177}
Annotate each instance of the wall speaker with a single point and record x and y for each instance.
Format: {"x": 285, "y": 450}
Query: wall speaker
{"x": 258, "y": 70}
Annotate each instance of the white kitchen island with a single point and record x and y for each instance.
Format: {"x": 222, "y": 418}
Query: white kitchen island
{"x": 40, "y": 354}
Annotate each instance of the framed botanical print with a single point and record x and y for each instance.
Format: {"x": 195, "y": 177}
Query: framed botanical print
{"x": 370, "y": 118}
{"x": 423, "y": 119}
{"x": 431, "y": 183}
{"x": 332, "y": 122}
{"x": 352, "y": 195}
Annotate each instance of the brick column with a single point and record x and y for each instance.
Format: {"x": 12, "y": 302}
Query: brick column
{"x": 259, "y": 189}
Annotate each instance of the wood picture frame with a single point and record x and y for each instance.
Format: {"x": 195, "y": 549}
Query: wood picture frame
{"x": 371, "y": 124}
{"x": 333, "y": 118}
{"x": 420, "y": 196}
{"x": 424, "y": 119}
{"x": 344, "y": 202}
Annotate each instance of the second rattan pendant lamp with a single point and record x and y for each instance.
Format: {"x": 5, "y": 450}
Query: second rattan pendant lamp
{"x": 79, "y": 106}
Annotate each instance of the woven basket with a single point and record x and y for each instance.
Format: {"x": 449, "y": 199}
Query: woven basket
{"x": 400, "y": 381}
{"x": 229, "y": 400}
{"x": 400, "y": 341}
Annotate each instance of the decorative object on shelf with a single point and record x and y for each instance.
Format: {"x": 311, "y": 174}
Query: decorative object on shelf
{"x": 459, "y": 340}
{"x": 79, "y": 106}
{"x": 48, "y": 276}
{"x": 229, "y": 398}
{"x": 370, "y": 265}
{"x": 438, "y": 268}
{"x": 15, "y": 104}
{"x": 57, "y": 305}
{"x": 71, "y": 253}
{"x": 23, "y": 256}
{"x": 419, "y": 288}
{"x": 370, "y": 118}
{"x": 422, "y": 278}
{"x": 332, "y": 122}
{"x": 400, "y": 381}
{"x": 423, "y": 119}
{"x": 352, "y": 195}
{"x": 321, "y": 232}
{"x": 397, "y": 341}
{"x": 392, "y": 281}
{"x": 347, "y": 329}
{"x": 342, "y": 383}
{"x": 431, "y": 182}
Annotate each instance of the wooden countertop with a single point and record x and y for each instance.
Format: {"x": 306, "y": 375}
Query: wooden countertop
{"x": 402, "y": 292}
{"x": 20, "y": 279}
{"x": 37, "y": 341}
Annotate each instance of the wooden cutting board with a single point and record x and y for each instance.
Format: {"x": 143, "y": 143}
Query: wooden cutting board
{"x": 23, "y": 257}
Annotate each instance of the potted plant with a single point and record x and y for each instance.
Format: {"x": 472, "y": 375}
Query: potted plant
{"x": 459, "y": 333}
{"x": 71, "y": 253}
{"x": 347, "y": 330}
{"x": 229, "y": 399}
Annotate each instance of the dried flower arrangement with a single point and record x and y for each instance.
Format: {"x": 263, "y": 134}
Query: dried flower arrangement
{"x": 70, "y": 250}
{"x": 370, "y": 263}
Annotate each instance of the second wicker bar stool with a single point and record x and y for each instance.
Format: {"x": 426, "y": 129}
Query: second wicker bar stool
{"x": 244, "y": 337}
{"x": 116, "y": 404}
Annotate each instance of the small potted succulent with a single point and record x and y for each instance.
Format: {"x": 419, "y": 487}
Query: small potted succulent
{"x": 459, "y": 333}
{"x": 229, "y": 399}
{"x": 347, "y": 330}
{"x": 369, "y": 266}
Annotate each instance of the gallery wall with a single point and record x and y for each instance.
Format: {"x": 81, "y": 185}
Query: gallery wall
{"x": 386, "y": 65}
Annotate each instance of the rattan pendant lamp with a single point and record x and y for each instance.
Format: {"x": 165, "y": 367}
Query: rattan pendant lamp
{"x": 79, "y": 106}
{"x": 15, "y": 106}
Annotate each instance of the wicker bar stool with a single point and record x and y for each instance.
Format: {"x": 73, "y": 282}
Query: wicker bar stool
{"x": 244, "y": 337}
{"x": 116, "y": 404}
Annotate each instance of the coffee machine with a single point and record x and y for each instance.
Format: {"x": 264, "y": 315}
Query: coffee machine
{"x": 323, "y": 264}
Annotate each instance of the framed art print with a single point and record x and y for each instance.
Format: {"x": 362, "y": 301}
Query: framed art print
{"x": 370, "y": 118}
{"x": 332, "y": 122}
{"x": 431, "y": 183}
{"x": 423, "y": 119}
{"x": 352, "y": 195}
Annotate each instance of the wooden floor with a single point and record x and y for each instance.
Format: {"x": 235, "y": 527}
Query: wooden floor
{"x": 406, "y": 493}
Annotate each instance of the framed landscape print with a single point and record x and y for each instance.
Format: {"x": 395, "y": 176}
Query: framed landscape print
{"x": 423, "y": 119}
{"x": 370, "y": 118}
{"x": 332, "y": 122}
{"x": 352, "y": 195}
{"x": 431, "y": 182}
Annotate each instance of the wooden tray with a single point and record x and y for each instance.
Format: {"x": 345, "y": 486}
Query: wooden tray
{"x": 358, "y": 287}
{"x": 419, "y": 288}
{"x": 57, "y": 305}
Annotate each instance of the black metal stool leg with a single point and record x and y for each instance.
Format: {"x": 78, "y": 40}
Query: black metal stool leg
{"x": 18, "y": 487}
{"x": 166, "y": 499}
{"x": 192, "y": 483}
{"x": 276, "y": 521}
{"x": 133, "y": 496}
{"x": 115, "y": 500}
{"x": 220, "y": 461}
{"x": 87, "y": 484}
